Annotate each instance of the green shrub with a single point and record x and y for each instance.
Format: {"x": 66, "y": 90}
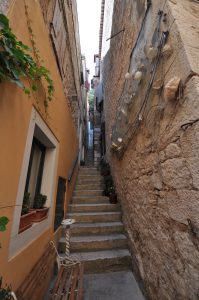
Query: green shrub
{"x": 26, "y": 204}
{"x": 39, "y": 201}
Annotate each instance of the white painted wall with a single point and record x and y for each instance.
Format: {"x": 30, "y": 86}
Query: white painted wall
{"x": 108, "y": 14}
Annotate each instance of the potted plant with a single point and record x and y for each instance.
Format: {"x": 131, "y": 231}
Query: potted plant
{"x": 5, "y": 293}
{"x": 82, "y": 163}
{"x": 108, "y": 182}
{"x": 105, "y": 168}
{"x": 3, "y": 223}
{"x": 112, "y": 195}
{"x": 26, "y": 214}
{"x": 41, "y": 212}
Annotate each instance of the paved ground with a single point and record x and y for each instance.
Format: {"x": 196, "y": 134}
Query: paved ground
{"x": 111, "y": 286}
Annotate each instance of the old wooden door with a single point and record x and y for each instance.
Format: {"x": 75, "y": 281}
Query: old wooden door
{"x": 59, "y": 210}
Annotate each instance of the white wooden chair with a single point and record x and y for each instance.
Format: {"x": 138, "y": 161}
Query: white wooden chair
{"x": 13, "y": 295}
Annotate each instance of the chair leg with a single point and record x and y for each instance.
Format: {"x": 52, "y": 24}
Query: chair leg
{"x": 13, "y": 295}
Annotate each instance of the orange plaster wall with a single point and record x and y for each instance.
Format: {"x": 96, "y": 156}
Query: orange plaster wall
{"x": 15, "y": 111}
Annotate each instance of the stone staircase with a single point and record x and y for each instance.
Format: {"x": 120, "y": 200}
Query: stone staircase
{"x": 89, "y": 157}
{"x": 97, "y": 237}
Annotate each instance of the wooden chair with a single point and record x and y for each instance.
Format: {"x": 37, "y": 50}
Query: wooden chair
{"x": 69, "y": 283}
{"x": 14, "y": 297}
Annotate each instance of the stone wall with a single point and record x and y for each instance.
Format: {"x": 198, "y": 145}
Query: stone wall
{"x": 157, "y": 172}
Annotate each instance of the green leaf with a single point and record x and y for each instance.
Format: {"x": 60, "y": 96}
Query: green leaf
{"x": 3, "y": 222}
{"x": 15, "y": 62}
{"x": 4, "y": 20}
{"x": 25, "y": 47}
{"x": 34, "y": 87}
{"x": 15, "y": 74}
{"x": 17, "y": 82}
{"x": 27, "y": 91}
{"x": 19, "y": 54}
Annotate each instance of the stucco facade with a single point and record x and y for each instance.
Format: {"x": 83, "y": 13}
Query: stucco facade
{"x": 62, "y": 22}
{"x": 107, "y": 26}
{"x": 19, "y": 116}
{"x": 152, "y": 140}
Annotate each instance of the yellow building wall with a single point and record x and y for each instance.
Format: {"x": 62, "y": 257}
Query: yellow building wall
{"x": 15, "y": 111}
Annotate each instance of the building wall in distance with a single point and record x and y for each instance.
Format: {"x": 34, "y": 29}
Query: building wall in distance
{"x": 62, "y": 22}
{"x": 4, "y": 5}
{"x": 66, "y": 46}
{"x": 157, "y": 177}
{"x": 107, "y": 26}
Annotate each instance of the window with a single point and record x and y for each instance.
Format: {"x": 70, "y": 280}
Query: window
{"x": 35, "y": 169}
{"x": 59, "y": 38}
{"x": 38, "y": 175}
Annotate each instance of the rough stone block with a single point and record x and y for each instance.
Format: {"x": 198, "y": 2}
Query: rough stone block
{"x": 176, "y": 174}
{"x": 172, "y": 150}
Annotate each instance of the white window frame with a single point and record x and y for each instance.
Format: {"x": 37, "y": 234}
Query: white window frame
{"x": 19, "y": 241}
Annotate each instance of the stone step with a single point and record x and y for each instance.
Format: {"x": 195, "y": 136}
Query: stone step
{"x": 89, "y": 173}
{"x": 84, "y": 180}
{"x": 95, "y": 242}
{"x": 97, "y": 237}
{"x": 95, "y": 174}
{"x": 95, "y": 217}
{"x": 89, "y": 178}
{"x": 89, "y": 186}
{"x": 104, "y": 261}
{"x": 89, "y": 199}
{"x": 88, "y": 192}
{"x": 88, "y": 168}
{"x": 95, "y": 228}
{"x": 93, "y": 207}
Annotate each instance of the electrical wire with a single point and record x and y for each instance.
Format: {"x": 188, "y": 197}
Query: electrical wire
{"x": 162, "y": 43}
{"x": 137, "y": 40}
{"x": 155, "y": 66}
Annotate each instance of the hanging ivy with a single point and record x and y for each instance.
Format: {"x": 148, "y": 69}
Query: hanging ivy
{"x": 3, "y": 222}
{"x": 16, "y": 62}
{"x": 5, "y": 292}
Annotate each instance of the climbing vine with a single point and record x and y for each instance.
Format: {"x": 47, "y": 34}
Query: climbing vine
{"x": 16, "y": 62}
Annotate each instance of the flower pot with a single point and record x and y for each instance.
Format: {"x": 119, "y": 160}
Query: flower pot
{"x": 105, "y": 172}
{"x": 40, "y": 214}
{"x": 105, "y": 193}
{"x": 113, "y": 198}
{"x": 26, "y": 221}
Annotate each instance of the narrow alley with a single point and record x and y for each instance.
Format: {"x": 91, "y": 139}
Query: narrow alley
{"x": 99, "y": 160}
{"x": 98, "y": 239}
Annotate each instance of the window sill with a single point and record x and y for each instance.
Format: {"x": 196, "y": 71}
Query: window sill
{"x": 34, "y": 216}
